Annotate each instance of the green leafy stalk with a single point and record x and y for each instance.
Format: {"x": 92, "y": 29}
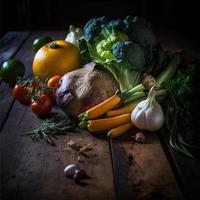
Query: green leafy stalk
{"x": 181, "y": 112}
{"x": 169, "y": 71}
{"x": 134, "y": 97}
{"x": 126, "y": 77}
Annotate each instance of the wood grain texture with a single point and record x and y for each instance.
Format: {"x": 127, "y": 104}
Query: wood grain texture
{"x": 34, "y": 170}
{"x": 185, "y": 169}
{"x": 10, "y": 43}
{"x": 142, "y": 171}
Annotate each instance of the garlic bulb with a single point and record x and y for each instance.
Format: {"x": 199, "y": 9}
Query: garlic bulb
{"x": 148, "y": 114}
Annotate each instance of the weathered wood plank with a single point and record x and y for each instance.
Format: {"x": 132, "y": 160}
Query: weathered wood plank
{"x": 186, "y": 169}
{"x": 11, "y": 43}
{"x": 33, "y": 170}
{"x": 6, "y": 101}
{"x": 142, "y": 171}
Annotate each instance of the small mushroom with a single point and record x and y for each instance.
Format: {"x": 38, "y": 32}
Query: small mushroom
{"x": 139, "y": 137}
{"x": 78, "y": 175}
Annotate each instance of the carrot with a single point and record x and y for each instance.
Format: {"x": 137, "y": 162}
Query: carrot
{"x": 101, "y": 108}
{"x": 125, "y": 109}
{"x": 116, "y": 132}
{"x": 98, "y": 125}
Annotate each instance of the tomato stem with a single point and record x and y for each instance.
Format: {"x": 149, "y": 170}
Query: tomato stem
{"x": 53, "y": 45}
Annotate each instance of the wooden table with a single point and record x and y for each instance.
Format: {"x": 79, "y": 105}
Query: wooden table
{"x": 118, "y": 169}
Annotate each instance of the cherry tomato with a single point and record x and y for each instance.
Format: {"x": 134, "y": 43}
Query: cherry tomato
{"x": 42, "y": 106}
{"x": 21, "y": 94}
{"x": 51, "y": 95}
{"x": 53, "y": 81}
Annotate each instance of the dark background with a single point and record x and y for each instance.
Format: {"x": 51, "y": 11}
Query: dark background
{"x": 182, "y": 16}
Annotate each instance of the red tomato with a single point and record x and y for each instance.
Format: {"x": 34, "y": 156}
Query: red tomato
{"x": 53, "y": 81}
{"x": 21, "y": 94}
{"x": 42, "y": 106}
{"x": 51, "y": 95}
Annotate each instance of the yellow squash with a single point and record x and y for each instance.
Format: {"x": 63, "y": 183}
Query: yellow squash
{"x": 56, "y": 58}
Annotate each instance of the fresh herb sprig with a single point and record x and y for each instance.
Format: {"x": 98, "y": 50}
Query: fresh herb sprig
{"x": 51, "y": 128}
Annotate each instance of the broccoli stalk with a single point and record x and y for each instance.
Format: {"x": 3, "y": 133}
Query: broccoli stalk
{"x": 126, "y": 77}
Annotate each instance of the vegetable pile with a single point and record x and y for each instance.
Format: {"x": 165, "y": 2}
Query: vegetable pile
{"x": 113, "y": 76}
{"x": 129, "y": 49}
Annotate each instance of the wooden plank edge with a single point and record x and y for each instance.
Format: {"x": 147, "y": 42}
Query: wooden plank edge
{"x": 8, "y": 36}
{"x": 123, "y": 189}
{"x": 19, "y": 46}
{"x": 169, "y": 152}
{"x": 7, "y": 114}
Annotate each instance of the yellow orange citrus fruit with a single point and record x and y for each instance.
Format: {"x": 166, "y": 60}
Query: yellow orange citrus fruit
{"x": 56, "y": 58}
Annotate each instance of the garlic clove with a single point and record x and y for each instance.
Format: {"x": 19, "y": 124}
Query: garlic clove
{"x": 140, "y": 138}
{"x": 70, "y": 170}
{"x": 154, "y": 122}
{"x": 138, "y": 116}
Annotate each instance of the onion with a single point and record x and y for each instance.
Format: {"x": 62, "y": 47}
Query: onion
{"x": 84, "y": 88}
{"x": 148, "y": 114}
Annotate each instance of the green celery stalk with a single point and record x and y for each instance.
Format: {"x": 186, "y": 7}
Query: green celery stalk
{"x": 170, "y": 70}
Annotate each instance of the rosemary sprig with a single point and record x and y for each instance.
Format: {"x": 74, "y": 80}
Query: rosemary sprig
{"x": 51, "y": 128}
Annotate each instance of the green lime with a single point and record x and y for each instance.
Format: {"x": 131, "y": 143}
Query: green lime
{"x": 40, "y": 41}
{"x": 11, "y": 69}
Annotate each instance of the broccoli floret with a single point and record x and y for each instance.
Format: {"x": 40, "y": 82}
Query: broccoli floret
{"x": 138, "y": 29}
{"x": 143, "y": 33}
{"x": 104, "y": 47}
{"x": 129, "y": 23}
{"x": 131, "y": 53}
{"x": 115, "y": 28}
{"x": 93, "y": 27}
{"x": 110, "y": 34}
